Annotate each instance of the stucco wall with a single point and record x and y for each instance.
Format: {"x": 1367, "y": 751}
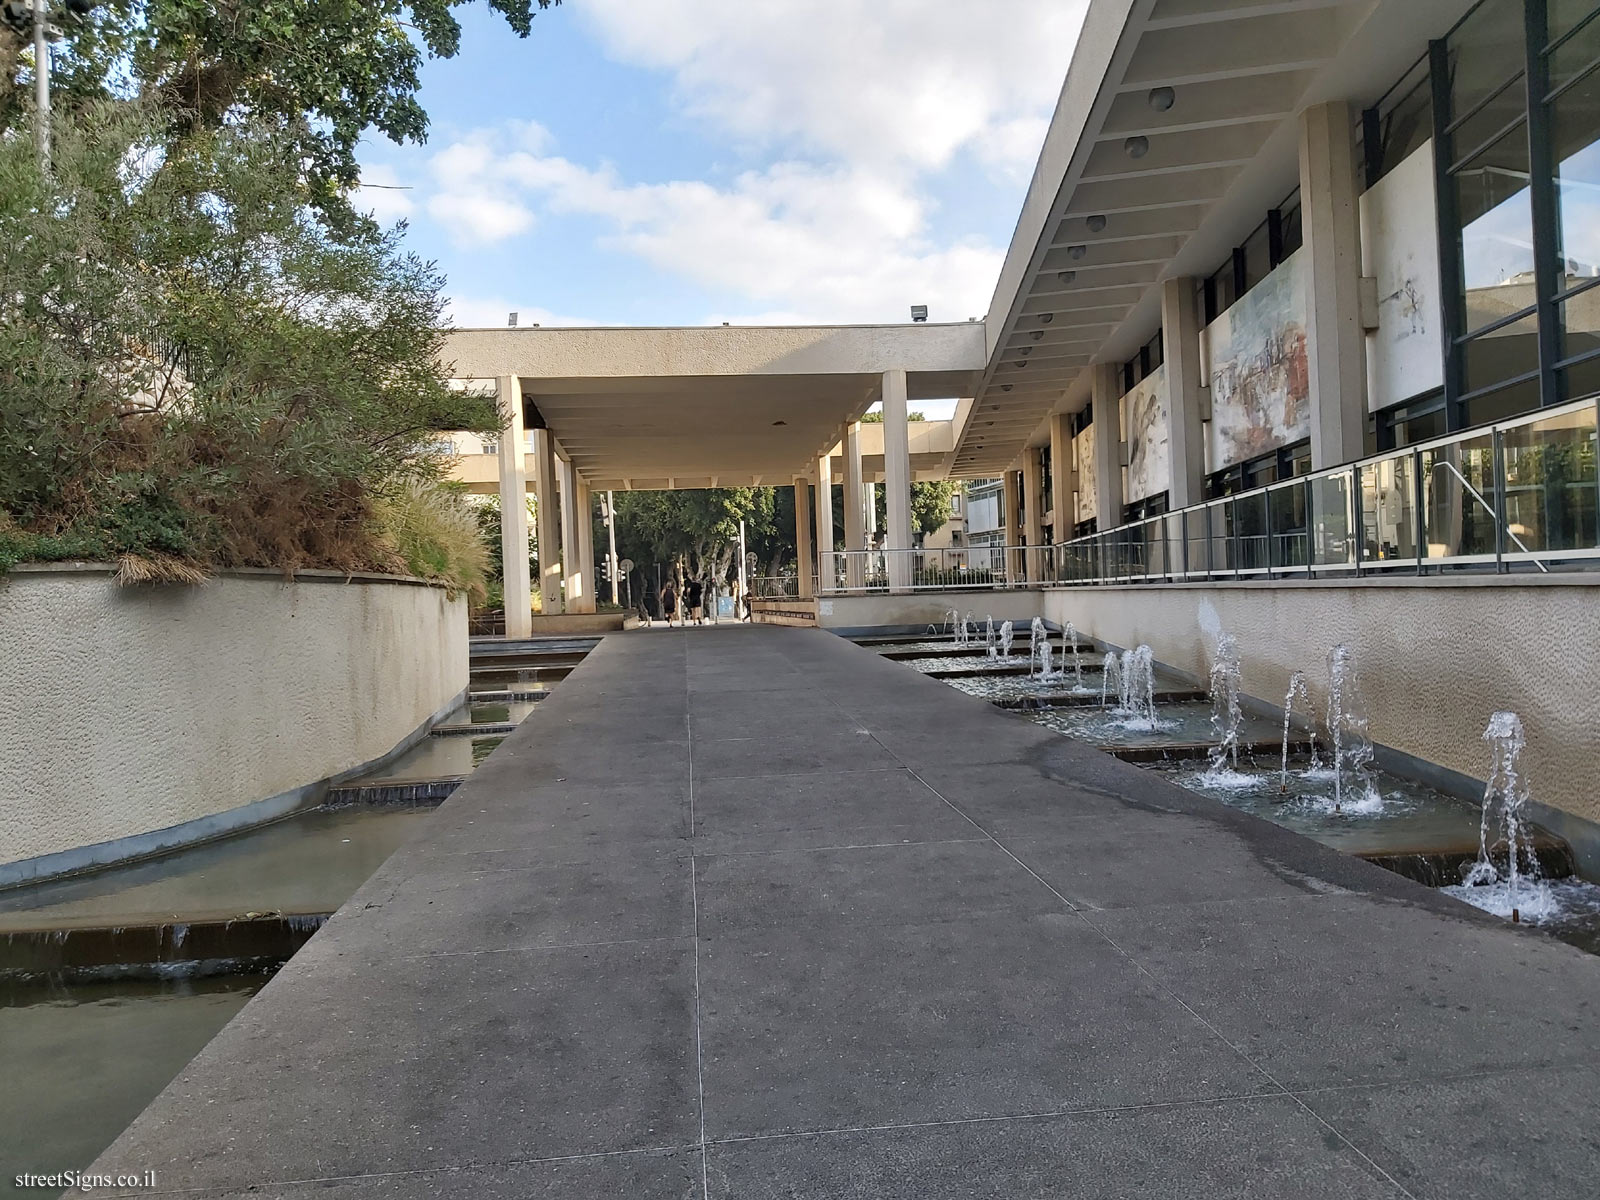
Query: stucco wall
{"x": 1435, "y": 658}
{"x": 129, "y": 710}
{"x": 926, "y": 608}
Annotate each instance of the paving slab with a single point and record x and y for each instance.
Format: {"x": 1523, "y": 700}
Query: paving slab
{"x": 752, "y": 912}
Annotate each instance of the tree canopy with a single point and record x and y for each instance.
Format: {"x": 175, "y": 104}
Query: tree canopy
{"x": 196, "y": 373}
{"x": 319, "y": 72}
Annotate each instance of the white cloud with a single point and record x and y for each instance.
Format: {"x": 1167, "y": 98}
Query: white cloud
{"x": 382, "y": 194}
{"x": 824, "y": 244}
{"x": 479, "y": 218}
{"x": 891, "y": 82}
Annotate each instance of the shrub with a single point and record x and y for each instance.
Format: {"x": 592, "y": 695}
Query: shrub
{"x": 195, "y": 373}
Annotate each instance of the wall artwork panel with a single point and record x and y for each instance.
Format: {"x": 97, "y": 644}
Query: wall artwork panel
{"x": 1400, "y": 248}
{"x": 1083, "y": 456}
{"x": 1260, "y": 386}
{"x": 1149, "y": 421}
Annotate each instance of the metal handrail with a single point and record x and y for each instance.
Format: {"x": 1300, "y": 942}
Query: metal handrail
{"x": 1489, "y": 508}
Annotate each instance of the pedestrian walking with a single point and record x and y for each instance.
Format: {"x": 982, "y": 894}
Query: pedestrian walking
{"x": 694, "y": 594}
{"x": 669, "y": 604}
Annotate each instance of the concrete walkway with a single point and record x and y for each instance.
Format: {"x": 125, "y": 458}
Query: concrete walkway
{"x": 746, "y": 912}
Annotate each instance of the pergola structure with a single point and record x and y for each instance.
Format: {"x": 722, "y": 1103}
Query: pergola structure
{"x": 723, "y": 406}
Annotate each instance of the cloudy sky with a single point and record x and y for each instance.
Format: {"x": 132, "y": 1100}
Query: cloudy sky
{"x": 698, "y": 161}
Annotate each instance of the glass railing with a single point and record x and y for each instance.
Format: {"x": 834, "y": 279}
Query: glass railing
{"x": 1521, "y": 494}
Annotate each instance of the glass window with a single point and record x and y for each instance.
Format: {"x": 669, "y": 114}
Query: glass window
{"x": 1580, "y": 323}
{"x": 1485, "y": 51}
{"x": 1496, "y": 240}
{"x": 1500, "y": 354}
{"x": 1581, "y": 379}
{"x": 1575, "y": 148}
{"x": 1415, "y": 422}
{"x": 1563, "y": 16}
{"x": 1510, "y": 401}
{"x": 1257, "y": 257}
{"x": 1509, "y": 104}
{"x": 1289, "y": 225}
{"x": 1405, "y": 121}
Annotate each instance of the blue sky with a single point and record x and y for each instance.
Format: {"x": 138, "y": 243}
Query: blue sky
{"x": 685, "y": 162}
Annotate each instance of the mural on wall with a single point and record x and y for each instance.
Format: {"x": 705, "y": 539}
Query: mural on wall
{"x": 1400, "y": 249}
{"x": 1260, "y": 386}
{"x": 1083, "y": 456}
{"x": 1147, "y": 414}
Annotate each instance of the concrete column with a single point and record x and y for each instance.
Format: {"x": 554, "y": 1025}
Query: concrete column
{"x": 572, "y": 580}
{"x": 1107, "y": 445}
{"x": 1033, "y": 512}
{"x": 1335, "y": 342}
{"x": 1186, "y": 393}
{"x": 583, "y": 504}
{"x": 514, "y": 511}
{"x": 897, "y": 478}
{"x": 869, "y": 501}
{"x": 547, "y": 507}
{"x": 825, "y": 573}
{"x": 855, "y": 528}
{"x": 1009, "y": 497}
{"x": 1063, "y": 478}
{"x": 802, "y": 538}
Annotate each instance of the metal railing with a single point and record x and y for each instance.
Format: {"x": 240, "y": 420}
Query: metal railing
{"x": 1519, "y": 493}
{"x": 775, "y": 587}
{"x": 855, "y": 571}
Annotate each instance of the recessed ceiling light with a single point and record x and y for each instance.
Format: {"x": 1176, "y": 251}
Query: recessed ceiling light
{"x": 1025, "y": 351}
{"x": 1046, "y": 318}
{"x": 1162, "y": 98}
{"x": 1005, "y": 387}
{"x": 1037, "y": 334}
{"x": 780, "y": 422}
{"x": 1137, "y": 146}
{"x": 1066, "y": 276}
{"x": 1096, "y": 223}
{"x": 1076, "y": 252}
{"x": 1019, "y": 365}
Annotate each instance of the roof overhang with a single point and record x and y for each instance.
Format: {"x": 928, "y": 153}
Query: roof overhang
{"x": 1100, "y": 228}
{"x": 720, "y": 406}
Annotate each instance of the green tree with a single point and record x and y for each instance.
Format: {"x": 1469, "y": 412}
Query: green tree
{"x": 195, "y": 373}
{"x": 697, "y": 532}
{"x": 319, "y": 72}
{"x": 930, "y": 498}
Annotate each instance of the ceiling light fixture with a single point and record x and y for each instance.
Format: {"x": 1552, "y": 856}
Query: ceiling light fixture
{"x": 1162, "y": 98}
{"x": 1096, "y": 223}
{"x": 1005, "y": 387}
{"x": 1067, "y": 276}
{"x": 1037, "y": 334}
{"x": 1046, "y": 318}
{"x": 1137, "y": 146}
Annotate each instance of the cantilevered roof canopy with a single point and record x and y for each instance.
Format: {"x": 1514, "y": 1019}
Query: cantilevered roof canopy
{"x": 711, "y": 407}
{"x": 1105, "y": 219}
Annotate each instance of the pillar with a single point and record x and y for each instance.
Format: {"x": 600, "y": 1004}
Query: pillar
{"x": 572, "y": 581}
{"x": 826, "y": 579}
{"x": 897, "y": 479}
{"x": 802, "y": 538}
{"x": 1107, "y": 428}
{"x": 1063, "y": 480}
{"x": 584, "y": 515}
{"x": 1033, "y": 512}
{"x": 1335, "y": 341}
{"x": 869, "y": 500}
{"x": 855, "y": 529}
{"x": 1009, "y": 497}
{"x": 1186, "y": 393}
{"x": 548, "y": 509}
{"x": 514, "y": 511}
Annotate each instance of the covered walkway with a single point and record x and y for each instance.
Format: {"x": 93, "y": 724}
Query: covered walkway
{"x": 748, "y": 912}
